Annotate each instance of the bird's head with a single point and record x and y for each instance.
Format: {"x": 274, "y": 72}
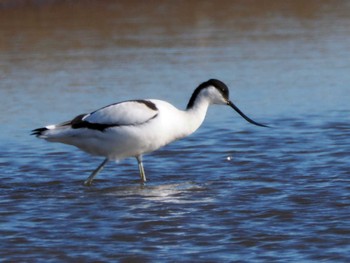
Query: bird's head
{"x": 217, "y": 93}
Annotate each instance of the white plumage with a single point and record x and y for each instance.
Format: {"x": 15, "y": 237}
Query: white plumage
{"x": 132, "y": 128}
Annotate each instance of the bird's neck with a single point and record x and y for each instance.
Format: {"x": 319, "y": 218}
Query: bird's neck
{"x": 196, "y": 113}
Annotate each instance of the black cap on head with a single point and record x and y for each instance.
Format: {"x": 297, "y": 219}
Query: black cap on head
{"x": 219, "y": 85}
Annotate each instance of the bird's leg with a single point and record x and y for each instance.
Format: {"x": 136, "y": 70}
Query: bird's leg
{"x": 94, "y": 173}
{"x": 142, "y": 171}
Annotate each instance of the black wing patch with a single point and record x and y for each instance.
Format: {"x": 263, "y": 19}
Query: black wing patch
{"x": 78, "y": 122}
{"x": 148, "y": 103}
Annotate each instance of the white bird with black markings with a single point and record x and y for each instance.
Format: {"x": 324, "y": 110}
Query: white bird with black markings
{"x": 135, "y": 127}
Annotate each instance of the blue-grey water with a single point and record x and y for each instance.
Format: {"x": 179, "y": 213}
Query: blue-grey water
{"x": 231, "y": 192}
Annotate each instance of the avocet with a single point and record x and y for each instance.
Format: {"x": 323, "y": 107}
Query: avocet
{"x": 135, "y": 127}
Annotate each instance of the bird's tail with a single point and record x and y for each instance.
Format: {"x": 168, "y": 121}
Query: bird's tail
{"x": 52, "y": 132}
{"x": 39, "y": 132}
{"x": 59, "y": 130}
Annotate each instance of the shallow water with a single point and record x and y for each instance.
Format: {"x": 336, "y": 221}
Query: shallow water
{"x": 231, "y": 192}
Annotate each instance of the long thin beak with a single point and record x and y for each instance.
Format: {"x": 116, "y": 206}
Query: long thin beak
{"x": 230, "y": 103}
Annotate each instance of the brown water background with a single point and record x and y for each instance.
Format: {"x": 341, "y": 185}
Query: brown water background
{"x": 232, "y": 192}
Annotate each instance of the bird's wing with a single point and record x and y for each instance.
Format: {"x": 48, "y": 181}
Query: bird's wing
{"x": 131, "y": 112}
{"x": 120, "y": 114}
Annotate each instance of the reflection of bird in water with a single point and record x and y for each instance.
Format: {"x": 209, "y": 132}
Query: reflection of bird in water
{"x": 132, "y": 128}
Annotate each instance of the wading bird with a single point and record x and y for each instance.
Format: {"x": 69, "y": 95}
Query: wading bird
{"x": 135, "y": 127}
